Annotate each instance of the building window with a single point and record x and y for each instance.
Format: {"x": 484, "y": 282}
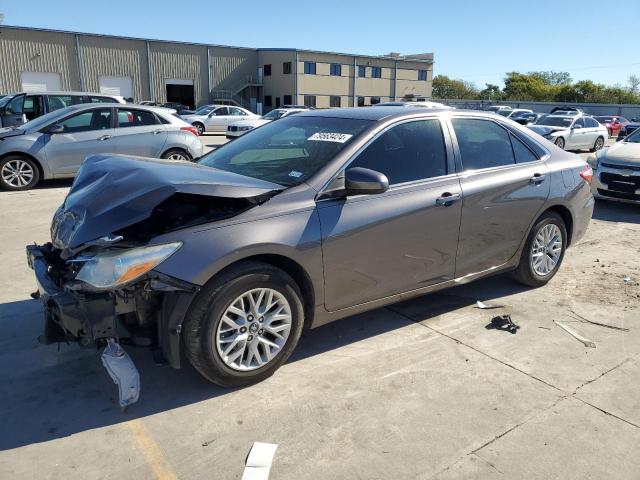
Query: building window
{"x": 310, "y": 100}
{"x": 335, "y": 101}
{"x": 286, "y": 68}
{"x": 375, "y": 100}
{"x": 267, "y": 101}
{"x": 362, "y": 71}
{"x": 277, "y": 102}
{"x": 267, "y": 70}
{"x": 422, "y": 75}
{"x": 287, "y": 100}
{"x": 310, "y": 68}
{"x": 336, "y": 69}
{"x": 376, "y": 72}
{"x": 361, "y": 101}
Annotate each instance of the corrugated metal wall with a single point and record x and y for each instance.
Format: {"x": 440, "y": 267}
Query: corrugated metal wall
{"x": 181, "y": 62}
{"x": 231, "y": 66}
{"x": 104, "y": 56}
{"x": 36, "y": 51}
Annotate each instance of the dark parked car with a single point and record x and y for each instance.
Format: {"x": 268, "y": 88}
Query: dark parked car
{"x": 628, "y": 129}
{"x": 180, "y": 108}
{"x": 303, "y": 221}
{"x": 526, "y": 118}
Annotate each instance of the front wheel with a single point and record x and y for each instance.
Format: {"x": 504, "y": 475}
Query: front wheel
{"x": 598, "y": 145}
{"x": 243, "y": 325}
{"x": 18, "y": 173}
{"x": 543, "y": 251}
{"x": 559, "y": 142}
{"x": 199, "y": 127}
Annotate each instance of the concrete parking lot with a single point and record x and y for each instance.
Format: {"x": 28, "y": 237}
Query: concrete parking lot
{"x": 421, "y": 389}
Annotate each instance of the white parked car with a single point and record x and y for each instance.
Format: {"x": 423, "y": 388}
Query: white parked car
{"x": 243, "y": 126}
{"x": 571, "y": 132}
{"x": 616, "y": 171}
{"x": 514, "y": 112}
{"x": 218, "y": 119}
{"x": 415, "y": 104}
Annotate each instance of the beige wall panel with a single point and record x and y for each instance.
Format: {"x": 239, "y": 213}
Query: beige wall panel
{"x": 36, "y": 51}
{"x": 104, "y": 56}
{"x": 181, "y": 62}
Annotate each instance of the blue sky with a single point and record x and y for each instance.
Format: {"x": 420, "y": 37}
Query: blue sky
{"x": 476, "y": 40}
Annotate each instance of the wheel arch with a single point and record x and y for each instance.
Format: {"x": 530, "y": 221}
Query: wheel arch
{"x": 566, "y": 216}
{"x": 30, "y": 157}
{"x": 182, "y": 149}
{"x": 296, "y": 271}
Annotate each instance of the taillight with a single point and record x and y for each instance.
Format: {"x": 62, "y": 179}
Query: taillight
{"x": 191, "y": 129}
{"x": 587, "y": 174}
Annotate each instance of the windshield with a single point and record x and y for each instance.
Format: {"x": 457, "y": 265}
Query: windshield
{"x": 4, "y": 100}
{"x": 204, "y": 110}
{"x": 552, "y": 121}
{"x": 274, "y": 114}
{"x": 288, "y": 151}
{"x": 634, "y": 137}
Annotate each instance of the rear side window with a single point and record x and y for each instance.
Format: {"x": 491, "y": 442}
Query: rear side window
{"x": 591, "y": 123}
{"x": 521, "y": 151}
{"x": 482, "y": 143}
{"x": 220, "y": 112}
{"x": 135, "y": 118}
{"x": 407, "y": 152}
{"x": 56, "y": 102}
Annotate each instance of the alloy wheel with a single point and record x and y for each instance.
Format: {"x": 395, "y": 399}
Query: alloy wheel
{"x": 253, "y": 329}
{"x": 546, "y": 250}
{"x": 560, "y": 142}
{"x": 200, "y": 128}
{"x": 177, "y": 156}
{"x": 599, "y": 144}
{"x": 17, "y": 173}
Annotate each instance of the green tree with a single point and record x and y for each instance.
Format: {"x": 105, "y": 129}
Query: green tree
{"x": 553, "y": 78}
{"x": 522, "y": 86}
{"x": 445, "y": 87}
{"x": 490, "y": 92}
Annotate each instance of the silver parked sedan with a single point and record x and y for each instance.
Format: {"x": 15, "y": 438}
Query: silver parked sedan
{"x": 572, "y": 131}
{"x": 55, "y": 145}
{"x": 617, "y": 171}
{"x": 217, "y": 119}
{"x": 303, "y": 221}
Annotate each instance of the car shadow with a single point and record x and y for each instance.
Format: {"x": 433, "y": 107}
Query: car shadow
{"x": 54, "y": 391}
{"x": 616, "y": 212}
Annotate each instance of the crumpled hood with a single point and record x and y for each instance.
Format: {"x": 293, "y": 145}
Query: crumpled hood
{"x": 112, "y": 192}
{"x": 11, "y": 132}
{"x": 622, "y": 153}
{"x": 545, "y": 129}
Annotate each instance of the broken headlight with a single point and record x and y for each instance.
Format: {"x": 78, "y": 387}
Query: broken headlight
{"x": 118, "y": 268}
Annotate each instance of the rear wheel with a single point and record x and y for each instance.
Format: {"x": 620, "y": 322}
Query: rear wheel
{"x": 598, "y": 145}
{"x": 543, "y": 251}
{"x": 243, "y": 325}
{"x": 18, "y": 173}
{"x": 559, "y": 142}
{"x": 199, "y": 127}
{"x": 176, "y": 154}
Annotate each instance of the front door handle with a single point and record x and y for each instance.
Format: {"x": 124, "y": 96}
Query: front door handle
{"x": 537, "y": 178}
{"x": 104, "y": 137}
{"x": 156, "y": 132}
{"x": 447, "y": 199}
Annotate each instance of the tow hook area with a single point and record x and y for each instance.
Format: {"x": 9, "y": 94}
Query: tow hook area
{"x": 123, "y": 373}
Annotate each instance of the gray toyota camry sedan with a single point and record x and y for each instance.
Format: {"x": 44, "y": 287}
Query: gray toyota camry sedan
{"x": 301, "y": 222}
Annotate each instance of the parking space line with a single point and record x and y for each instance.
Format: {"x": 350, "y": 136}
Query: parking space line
{"x": 151, "y": 450}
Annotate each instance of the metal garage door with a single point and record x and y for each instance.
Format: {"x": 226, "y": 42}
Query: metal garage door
{"x": 40, "y": 81}
{"x": 122, "y": 86}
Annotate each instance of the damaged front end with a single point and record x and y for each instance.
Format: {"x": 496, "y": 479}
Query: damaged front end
{"x": 96, "y": 277}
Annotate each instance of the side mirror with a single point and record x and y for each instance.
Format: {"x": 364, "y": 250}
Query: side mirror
{"x": 363, "y": 181}
{"x": 57, "y": 128}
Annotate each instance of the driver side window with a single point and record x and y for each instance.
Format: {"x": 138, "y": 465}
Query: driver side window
{"x": 16, "y": 105}
{"x": 99, "y": 119}
{"x": 408, "y": 152}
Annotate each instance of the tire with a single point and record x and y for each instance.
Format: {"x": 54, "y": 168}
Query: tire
{"x": 559, "y": 142}
{"x": 176, "y": 154}
{"x": 201, "y": 330}
{"x": 199, "y": 126}
{"x": 18, "y": 173}
{"x": 598, "y": 145}
{"x": 526, "y": 273}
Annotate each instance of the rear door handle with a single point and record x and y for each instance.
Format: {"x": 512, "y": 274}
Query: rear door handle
{"x": 104, "y": 137}
{"x": 447, "y": 199}
{"x": 537, "y": 178}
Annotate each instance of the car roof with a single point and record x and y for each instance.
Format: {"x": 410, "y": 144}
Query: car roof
{"x": 60, "y": 92}
{"x": 379, "y": 113}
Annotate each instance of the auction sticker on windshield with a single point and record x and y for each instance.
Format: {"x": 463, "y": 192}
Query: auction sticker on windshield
{"x": 330, "y": 137}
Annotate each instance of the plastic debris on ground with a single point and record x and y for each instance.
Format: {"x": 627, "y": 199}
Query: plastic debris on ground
{"x": 503, "y": 322}
{"x": 123, "y": 373}
{"x": 487, "y": 305}
{"x": 585, "y": 341}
